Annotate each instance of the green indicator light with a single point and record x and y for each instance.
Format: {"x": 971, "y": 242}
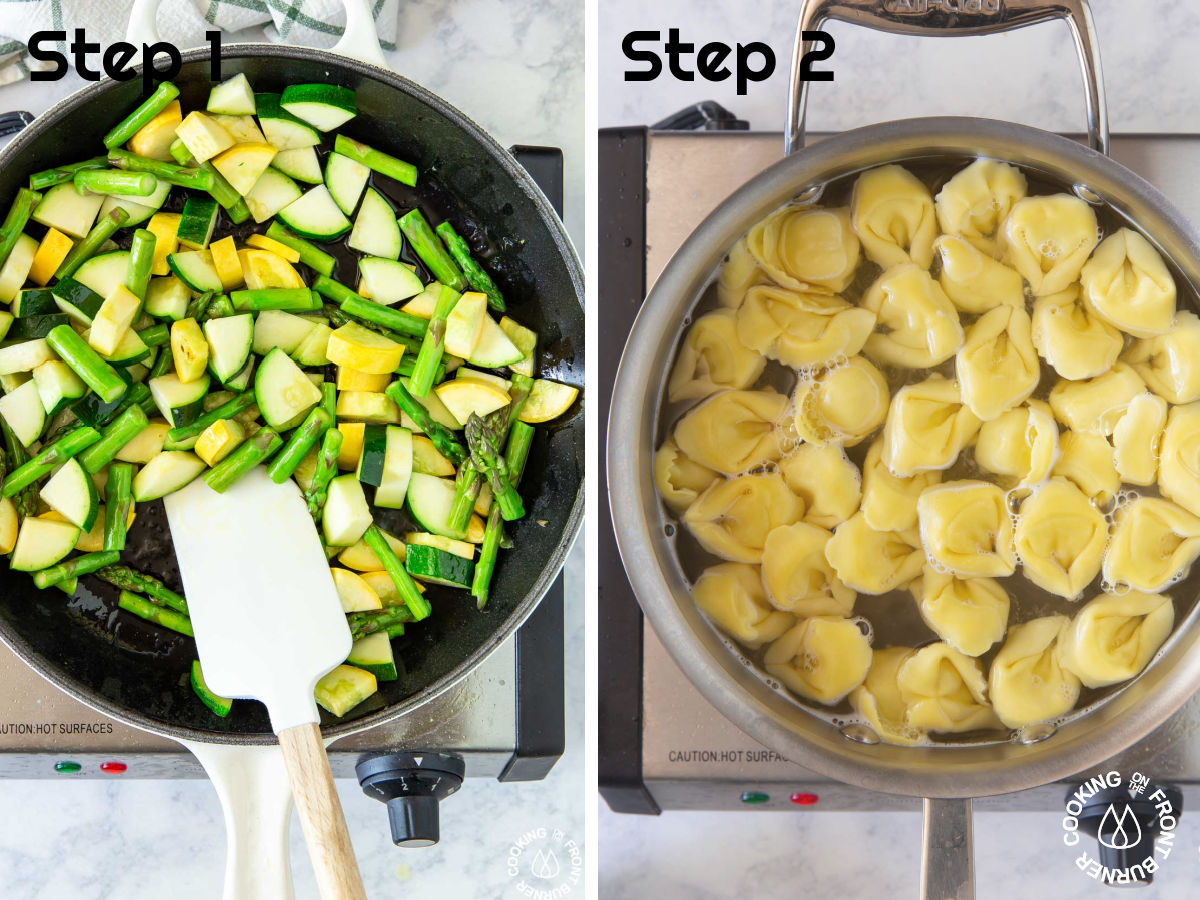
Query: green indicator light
{"x": 67, "y": 768}
{"x": 754, "y": 797}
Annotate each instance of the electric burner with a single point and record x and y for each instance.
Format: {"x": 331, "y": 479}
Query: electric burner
{"x": 661, "y": 744}
{"x": 505, "y": 720}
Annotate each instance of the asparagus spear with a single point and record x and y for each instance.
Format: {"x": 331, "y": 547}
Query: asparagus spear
{"x": 16, "y": 456}
{"x": 140, "y": 117}
{"x": 164, "y": 363}
{"x": 141, "y": 258}
{"x": 154, "y": 335}
{"x": 143, "y": 608}
{"x": 301, "y": 441}
{"x": 377, "y": 160}
{"x": 180, "y": 176}
{"x": 104, "y": 228}
{"x": 54, "y": 455}
{"x": 123, "y": 429}
{"x": 86, "y": 362}
{"x": 220, "y": 308}
{"x": 310, "y": 254}
{"x": 326, "y": 468}
{"x": 199, "y": 306}
{"x": 409, "y": 592}
{"x": 249, "y": 454}
{"x": 372, "y": 621}
{"x": 118, "y": 497}
{"x": 47, "y": 178}
{"x": 430, "y": 249}
{"x": 517, "y": 451}
{"x": 351, "y": 304}
{"x": 443, "y": 438}
{"x": 226, "y": 410}
{"x": 114, "y": 181}
{"x": 225, "y": 194}
{"x": 132, "y": 580}
{"x": 80, "y": 565}
{"x": 329, "y": 400}
{"x": 469, "y": 480}
{"x": 14, "y": 222}
{"x": 479, "y": 279}
{"x": 294, "y": 299}
{"x": 433, "y": 344}
{"x": 484, "y": 439}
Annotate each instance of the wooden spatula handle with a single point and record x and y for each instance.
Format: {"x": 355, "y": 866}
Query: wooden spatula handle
{"x": 321, "y": 815}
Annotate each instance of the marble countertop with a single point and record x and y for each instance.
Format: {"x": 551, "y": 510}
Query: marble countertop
{"x": 110, "y": 840}
{"x": 1029, "y": 76}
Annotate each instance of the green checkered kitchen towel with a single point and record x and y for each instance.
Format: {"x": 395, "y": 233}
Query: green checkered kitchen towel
{"x": 313, "y": 23}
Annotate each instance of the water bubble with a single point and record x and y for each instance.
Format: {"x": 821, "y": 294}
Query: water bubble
{"x": 860, "y": 734}
{"x": 1033, "y": 734}
{"x": 1087, "y": 195}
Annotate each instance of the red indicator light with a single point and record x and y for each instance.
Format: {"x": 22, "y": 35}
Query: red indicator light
{"x": 804, "y": 799}
{"x": 113, "y": 768}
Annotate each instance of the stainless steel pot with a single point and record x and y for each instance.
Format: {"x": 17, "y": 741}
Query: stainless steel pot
{"x": 943, "y": 775}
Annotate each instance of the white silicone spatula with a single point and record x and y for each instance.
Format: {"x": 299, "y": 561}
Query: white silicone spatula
{"x": 268, "y": 625}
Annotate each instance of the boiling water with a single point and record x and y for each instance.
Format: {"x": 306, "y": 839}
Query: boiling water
{"x": 893, "y": 618}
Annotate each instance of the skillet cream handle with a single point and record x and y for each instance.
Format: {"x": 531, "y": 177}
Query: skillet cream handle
{"x": 256, "y": 798}
{"x": 321, "y": 816}
{"x": 359, "y": 40}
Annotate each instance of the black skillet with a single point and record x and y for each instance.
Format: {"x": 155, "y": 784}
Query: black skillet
{"x": 136, "y": 672}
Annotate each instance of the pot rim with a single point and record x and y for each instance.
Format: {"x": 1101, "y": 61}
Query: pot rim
{"x": 554, "y": 564}
{"x": 1084, "y": 739}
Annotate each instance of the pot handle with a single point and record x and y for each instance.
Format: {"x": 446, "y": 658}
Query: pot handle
{"x": 948, "y": 19}
{"x": 256, "y": 797}
{"x": 947, "y": 863}
{"x": 359, "y": 40}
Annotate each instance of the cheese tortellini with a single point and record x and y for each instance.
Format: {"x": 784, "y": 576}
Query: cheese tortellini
{"x": 712, "y": 359}
{"x": 841, "y": 405}
{"x": 1049, "y": 238}
{"x": 1097, "y": 404}
{"x": 944, "y": 690}
{"x": 822, "y": 658}
{"x": 969, "y": 614}
{"x": 1074, "y": 342}
{"x": 797, "y": 577}
{"x": 1028, "y": 682}
{"x": 1060, "y": 538}
{"x": 975, "y": 399}
{"x": 803, "y": 247}
{"x": 1127, "y": 284}
{"x": 889, "y": 502}
{"x": 1087, "y": 460}
{"x": 976, "y": 201}
{"x": 1170, "y": 363}
{"x": 679, "y": 479}
{"x": 1153, "y": 544}
{"x": 734, "y": 431}
{"x": 927, "y": 427}
{"x": 917, "y": 325}
{"x": 731, "y": 594}
{"x": 874, "y": 562}
{"x": 1113, "y": 637}
{"x": 892, "y": 213}
{"x": 826, "y": 480}
{"x": 1021, "y": 445}
{"x": 1179, "y": 462}
{"x": 1135, "y": 438}
{"x": 801, "y": 329}
{"x": 997, "y": 365}
{"x": 733, "y": 517}
{"x": 975, "y": 282}
{"x": 966, "y": 528}
{"x": 878, "y": 698}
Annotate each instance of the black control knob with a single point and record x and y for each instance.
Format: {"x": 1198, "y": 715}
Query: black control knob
{"x": 412, "y": 784}
{"x": 1126, "y": 826}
